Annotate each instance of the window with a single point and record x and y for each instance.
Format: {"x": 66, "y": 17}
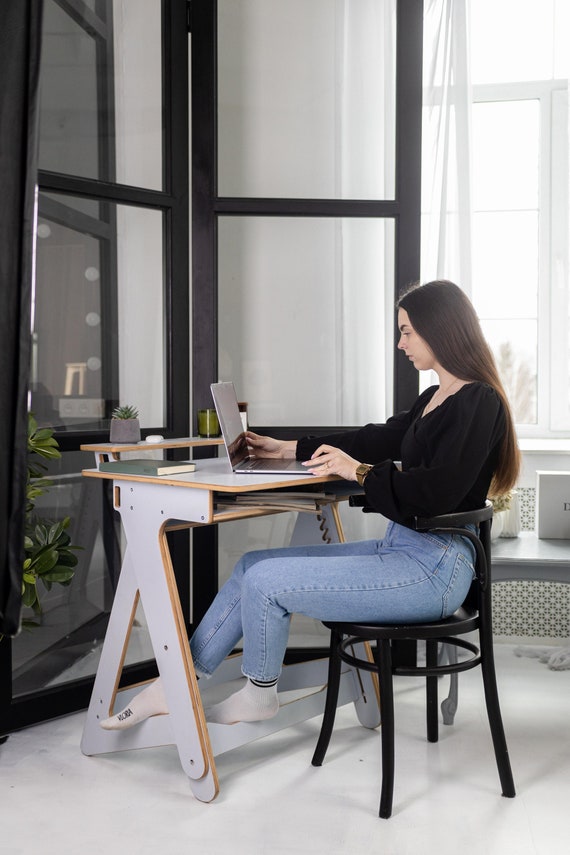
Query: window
{"x": 305, "y": 223}
{"x": 295, "y": 285}
{"x": 520, "y": 203}
{"x": 101, "y": 244}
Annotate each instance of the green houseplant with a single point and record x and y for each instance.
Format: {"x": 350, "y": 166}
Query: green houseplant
{"x": 48, "y": 552}
{"x": 125, "y": 426}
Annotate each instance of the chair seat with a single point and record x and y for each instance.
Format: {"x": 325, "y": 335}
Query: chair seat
{"x": 462, "y": 621}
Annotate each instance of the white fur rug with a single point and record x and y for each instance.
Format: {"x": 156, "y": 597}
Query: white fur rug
{"x": 556, "y": 658}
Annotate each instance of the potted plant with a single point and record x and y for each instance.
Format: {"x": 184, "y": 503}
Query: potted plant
{"x": 501, "y": 508}
{"x": 506, "y": 515}
{"x": 125, "y": 426}
{"x": 49, "y": 553}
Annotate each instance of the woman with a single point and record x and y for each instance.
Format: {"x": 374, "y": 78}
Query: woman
{"x": 456, "y": 445}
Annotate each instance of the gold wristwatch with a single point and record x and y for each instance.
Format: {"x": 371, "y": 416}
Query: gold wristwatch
{"x": 362, "y": 471}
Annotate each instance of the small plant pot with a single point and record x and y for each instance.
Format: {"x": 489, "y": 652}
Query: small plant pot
{"x": 125, "y": 431}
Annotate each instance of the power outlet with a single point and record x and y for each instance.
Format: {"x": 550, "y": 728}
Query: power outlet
{"x": 81, "y": 408}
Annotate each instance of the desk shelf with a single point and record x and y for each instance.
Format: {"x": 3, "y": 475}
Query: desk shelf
{"x": 178, "y": 442}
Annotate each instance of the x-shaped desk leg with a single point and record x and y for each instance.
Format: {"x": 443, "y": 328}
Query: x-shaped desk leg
{"x": 147, "y": 576}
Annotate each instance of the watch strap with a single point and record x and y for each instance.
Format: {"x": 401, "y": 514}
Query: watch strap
{"x": 362, "y": 471}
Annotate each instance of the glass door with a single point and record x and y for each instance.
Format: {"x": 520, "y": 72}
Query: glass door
{"x": 110, "y": 307}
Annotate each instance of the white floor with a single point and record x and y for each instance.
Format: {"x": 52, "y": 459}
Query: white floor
{"x": 447, "y": 797}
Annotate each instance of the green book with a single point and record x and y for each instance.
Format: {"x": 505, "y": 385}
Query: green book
{"x": 143, "y": 466}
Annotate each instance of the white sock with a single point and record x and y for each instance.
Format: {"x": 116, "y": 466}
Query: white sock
{"x": 150, "y": 701}
{"x": 252, "y": 703}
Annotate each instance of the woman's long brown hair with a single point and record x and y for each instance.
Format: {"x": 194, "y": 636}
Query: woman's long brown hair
{"x": 442, "y": 314}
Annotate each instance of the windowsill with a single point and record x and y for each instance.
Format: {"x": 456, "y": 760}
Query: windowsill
{"x": 544, "y": 446}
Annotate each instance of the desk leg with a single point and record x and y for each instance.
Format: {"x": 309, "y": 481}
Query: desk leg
{"x": 147, "y": 575}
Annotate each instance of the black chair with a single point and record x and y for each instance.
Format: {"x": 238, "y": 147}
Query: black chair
{"x": 475, "y": 614}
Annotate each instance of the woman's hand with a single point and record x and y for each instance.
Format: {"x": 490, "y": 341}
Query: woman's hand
{"x": 328, "y": 460}
{"x": 266, "y": 446}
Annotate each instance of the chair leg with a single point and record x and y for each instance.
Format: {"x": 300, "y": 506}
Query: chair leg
{"x": 431, "y": 693}
{"x": 331, "y": 701}
{"x": 450, "y": 703}
{"x": 384, "y": 662}
{"x": 496, "y": 720}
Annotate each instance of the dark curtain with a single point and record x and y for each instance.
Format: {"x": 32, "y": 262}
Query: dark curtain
{"x": 20, "y": 41}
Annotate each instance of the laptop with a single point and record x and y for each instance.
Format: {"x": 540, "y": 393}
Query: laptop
{"x": 225, "y": 400}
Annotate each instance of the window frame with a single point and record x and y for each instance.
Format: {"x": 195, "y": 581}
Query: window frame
{"x": 552, "y": 208}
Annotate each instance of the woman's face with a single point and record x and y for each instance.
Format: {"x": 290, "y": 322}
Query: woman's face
{"x": 413, "y": 345}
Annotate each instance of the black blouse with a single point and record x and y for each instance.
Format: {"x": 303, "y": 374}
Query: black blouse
{"x": 448, "y": 456}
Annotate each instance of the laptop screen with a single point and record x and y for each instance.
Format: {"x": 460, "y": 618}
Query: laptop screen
{"x": 225, "y": 399}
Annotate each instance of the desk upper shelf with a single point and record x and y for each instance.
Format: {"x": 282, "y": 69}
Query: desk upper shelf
{"x": 177, "y": 442}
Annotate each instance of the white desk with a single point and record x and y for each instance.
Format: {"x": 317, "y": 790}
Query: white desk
{"x": 149, "y": 507}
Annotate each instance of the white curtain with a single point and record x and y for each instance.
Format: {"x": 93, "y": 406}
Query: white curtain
{"x": 366, "y": 249}
{"x": 446, "y": 144}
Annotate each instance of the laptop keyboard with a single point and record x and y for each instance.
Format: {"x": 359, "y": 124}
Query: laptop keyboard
{"x": 268, "y": 463}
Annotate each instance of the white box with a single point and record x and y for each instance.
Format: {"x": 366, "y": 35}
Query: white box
{"x": 553, "y": 504}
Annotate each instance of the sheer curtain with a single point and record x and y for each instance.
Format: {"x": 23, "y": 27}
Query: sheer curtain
{"x": 503, "y": 235}
{"x": 368, "y": 31}
{"x": 446, "y": 155}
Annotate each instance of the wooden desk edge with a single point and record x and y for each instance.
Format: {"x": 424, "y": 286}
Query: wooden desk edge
{"x": 290, "y": 481}
{"x": 176, "y": 442}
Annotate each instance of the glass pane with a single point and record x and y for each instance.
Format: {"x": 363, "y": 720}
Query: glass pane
{"x": 306, "y": 318}
{"x": 505, "y": 295}
{"x": 109, "y": 133}
{"x": 66, "y": 643}
{"x": 515, "y": 39}
{"x": 138, "y": 92}
{"x": 306, "y": 96}
{"x": 514, "y": 344}
{"x": 91, "y": 270}
{"x": 505, "y": 264}
{"x": 506, "y": 138}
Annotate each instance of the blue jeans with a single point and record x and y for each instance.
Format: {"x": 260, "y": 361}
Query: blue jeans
{"x": 408, "y": 576}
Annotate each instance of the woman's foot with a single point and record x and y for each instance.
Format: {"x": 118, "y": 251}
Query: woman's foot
{"x": 149, "y": 702}
{"x": 252, "y": 703}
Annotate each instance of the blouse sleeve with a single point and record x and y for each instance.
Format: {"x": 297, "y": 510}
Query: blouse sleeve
{"x": 373, "y": 443}
{"x": 448, "y": 459}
